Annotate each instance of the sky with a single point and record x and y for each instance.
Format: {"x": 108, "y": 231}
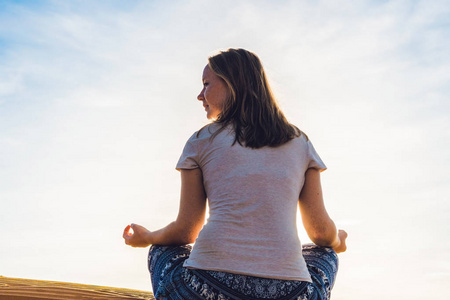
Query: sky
{"x": 97, "y": 99}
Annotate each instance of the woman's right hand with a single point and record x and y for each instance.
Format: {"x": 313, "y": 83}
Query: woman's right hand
{"x": 139, "y": 237}
{"x": 342, "y": 235}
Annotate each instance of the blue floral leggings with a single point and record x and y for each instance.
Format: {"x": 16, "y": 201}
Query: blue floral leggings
{"x": 172, "y": 281}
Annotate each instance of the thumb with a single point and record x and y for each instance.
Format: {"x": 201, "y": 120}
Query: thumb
{"x": 135, "y": 227}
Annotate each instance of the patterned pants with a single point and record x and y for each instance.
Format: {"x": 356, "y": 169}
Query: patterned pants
{"x": 172, "y": 281}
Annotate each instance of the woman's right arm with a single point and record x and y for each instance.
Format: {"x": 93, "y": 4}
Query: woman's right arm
{"x": 318, "y": 224}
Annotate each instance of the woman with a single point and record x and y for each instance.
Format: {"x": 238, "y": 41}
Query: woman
{"x": 254, "y": 168}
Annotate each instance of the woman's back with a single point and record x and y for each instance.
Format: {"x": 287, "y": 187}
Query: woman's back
{"x": 253, "y": 198}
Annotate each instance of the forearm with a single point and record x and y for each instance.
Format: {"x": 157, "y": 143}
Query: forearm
{"x": 318, "y": 224}
{"x": 171, "y": 235}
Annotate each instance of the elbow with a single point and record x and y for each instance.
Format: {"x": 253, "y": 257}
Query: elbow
{"x": 192, "y": 235}
{"x": 321, "y": 240}
{"x": 325, "y": 236}
{"x": 191, "y": 240}
{"x": 187, "y": 236}
{"x": 184, "y": 241}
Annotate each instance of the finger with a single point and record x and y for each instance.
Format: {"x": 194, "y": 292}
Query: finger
{"x": 132, "y": 229}
{"x": 126, "y": 232}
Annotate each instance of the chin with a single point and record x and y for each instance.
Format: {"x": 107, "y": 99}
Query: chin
{"x": 211, "y": 114}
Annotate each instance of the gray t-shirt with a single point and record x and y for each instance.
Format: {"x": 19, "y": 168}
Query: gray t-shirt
{"x": 253, "y": 201}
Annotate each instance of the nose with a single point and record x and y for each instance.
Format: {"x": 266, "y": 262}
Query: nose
{"x": 201, "y": 96}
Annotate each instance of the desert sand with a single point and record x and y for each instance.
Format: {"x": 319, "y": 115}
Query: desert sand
{"x": 21, "y": 289}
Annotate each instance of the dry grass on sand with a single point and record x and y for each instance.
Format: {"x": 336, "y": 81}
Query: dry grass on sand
{"x": 21, "y": 289}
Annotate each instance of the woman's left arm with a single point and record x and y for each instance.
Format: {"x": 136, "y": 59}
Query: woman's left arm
{"x": 190, "y": 220}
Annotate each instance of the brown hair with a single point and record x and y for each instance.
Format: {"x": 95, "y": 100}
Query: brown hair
{"x": 251, "y": 107}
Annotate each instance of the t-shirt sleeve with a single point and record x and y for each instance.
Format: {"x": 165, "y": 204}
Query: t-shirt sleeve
{"x": 189, "y": 156}
{"x": 314, "y": 159}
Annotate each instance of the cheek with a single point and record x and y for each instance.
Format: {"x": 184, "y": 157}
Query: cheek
{"x": 217, "y": 96}
{"x": 223, "y": 100}
{"x": 211, "y": 97}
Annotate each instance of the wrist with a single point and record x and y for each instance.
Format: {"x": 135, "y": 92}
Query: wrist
{"x": 148, "y": 238}
{"x": 336, "y": 243}
{"x": 340, "y": 246}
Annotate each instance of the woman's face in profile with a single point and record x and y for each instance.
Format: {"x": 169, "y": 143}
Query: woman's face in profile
{"x": 213, "y": 94}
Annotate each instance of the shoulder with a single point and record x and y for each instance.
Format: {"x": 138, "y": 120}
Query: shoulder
{"x": 202, "y": 136}
{"x": 211, "y": 130}
{"x": 301, "y": 144}
{"x": 301, "y": 139}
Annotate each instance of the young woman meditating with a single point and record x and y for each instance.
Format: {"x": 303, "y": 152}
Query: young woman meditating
{"x": 255, "y": 169}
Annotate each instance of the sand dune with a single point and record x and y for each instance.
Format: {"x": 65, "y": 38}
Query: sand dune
{"x": 21, "y": 289}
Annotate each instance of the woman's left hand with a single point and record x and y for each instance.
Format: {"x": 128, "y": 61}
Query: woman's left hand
{"x": 140, "y": 237}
